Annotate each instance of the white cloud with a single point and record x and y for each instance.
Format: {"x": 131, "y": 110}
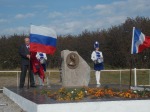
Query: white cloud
{"x": 22, "y": 16}
{"x": 66, "y": 27}
{"x": 64, "y": 15}
{"x": 17, "y": 30}
{"x": 76, "y": 27}
{"x": 3, "y": 20}
{"x": 116, "y": 19}
{"x": 100, "y": 6}
{"x": 41, "y": 6}
{"x": 88, "y": 17}
{"x": 97, "y": 17}
{"x": 127, "y": 8}
{"x": 86, "y": 7}
{"x": 116, "y": 13}
{"x": 55, "y": 14}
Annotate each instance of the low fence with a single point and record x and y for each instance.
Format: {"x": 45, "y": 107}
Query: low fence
{"x": 120, "y": 74}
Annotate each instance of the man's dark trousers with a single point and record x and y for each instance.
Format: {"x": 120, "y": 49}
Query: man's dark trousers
{"x": 24, "y": 69}
{"x": 25, "y": 65}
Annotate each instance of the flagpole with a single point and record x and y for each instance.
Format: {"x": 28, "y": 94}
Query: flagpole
{"x": 132, "y": 40}
{"x": 131, "y": 59}
{"x": 130, "y": 72}
{"x": 29, "y": 73}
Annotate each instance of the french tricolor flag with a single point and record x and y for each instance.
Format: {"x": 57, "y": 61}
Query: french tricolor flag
{"x": 42, "y": 39}
{"x": 139, "y": 41}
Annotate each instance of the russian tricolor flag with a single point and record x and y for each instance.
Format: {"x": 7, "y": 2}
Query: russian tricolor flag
{"x": 42, "y": 39}
{"x": 139, "y": 41}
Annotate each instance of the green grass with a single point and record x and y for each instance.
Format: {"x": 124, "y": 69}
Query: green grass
{"x": 114, "y": 78}
{"x": 106, "y": 77}
{"x": 5, "y": 74}
{"x": 143, "y": 77}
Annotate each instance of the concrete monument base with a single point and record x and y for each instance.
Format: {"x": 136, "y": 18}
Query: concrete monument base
{"x": 31, "y": 102}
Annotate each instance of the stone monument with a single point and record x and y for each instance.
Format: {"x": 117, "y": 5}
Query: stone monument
{"x": 75, "y": 70}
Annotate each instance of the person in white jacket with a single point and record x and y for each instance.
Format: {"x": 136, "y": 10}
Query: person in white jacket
{"x": 97, "y": 58}
{"x": 41, "y": 57}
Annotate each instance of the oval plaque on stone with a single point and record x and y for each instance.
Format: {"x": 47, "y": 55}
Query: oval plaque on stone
{"x": 72, "y": 60}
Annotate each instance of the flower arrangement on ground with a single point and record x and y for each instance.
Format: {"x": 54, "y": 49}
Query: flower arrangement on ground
{"x": 77, "y": 94}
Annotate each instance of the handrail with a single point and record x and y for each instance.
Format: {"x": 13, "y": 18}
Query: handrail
{"x": 10, "y": 71}
{"x": 119, "y": 70}
{"x": 91, "y": 70}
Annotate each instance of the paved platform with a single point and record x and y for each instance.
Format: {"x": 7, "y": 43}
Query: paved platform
{"x": 30, "y": 101}
{"x": 33, "y": 95}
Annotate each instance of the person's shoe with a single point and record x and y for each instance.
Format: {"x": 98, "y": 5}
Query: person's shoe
{"x": 21, "y": 87}
{"x": 33, "y": 86}
{"x": 98, "y": 83}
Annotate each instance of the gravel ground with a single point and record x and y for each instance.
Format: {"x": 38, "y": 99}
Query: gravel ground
{"x": 7, "y": 81}
{"x": 9, "y": 105}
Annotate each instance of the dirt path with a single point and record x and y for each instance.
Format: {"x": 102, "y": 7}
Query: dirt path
{"x": 8, "y": 81}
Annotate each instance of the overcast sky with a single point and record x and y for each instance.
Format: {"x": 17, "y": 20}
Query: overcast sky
{"x": 68, "y": 16}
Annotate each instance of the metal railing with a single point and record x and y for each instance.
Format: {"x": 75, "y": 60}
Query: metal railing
{"x": 135, "y": 74}
{"x": 120, "y": 74}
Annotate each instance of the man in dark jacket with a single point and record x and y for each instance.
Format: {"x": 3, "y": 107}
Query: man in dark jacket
{"x": 25, "y": 64}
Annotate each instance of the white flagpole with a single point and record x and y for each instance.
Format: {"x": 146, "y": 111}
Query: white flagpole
{"x": 131, "y": 58}
{"x": 135, "y": 75}
{"x": 135, "y": 78}
{"x": 132, "y": 40}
